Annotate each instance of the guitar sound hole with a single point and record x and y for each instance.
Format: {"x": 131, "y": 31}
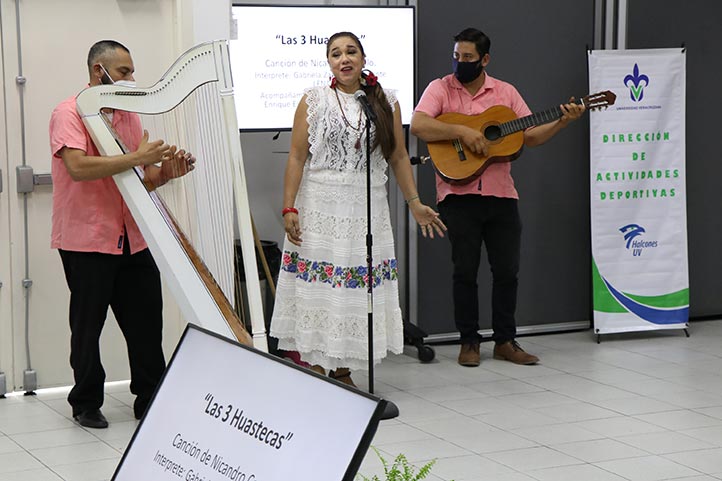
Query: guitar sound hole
{"x": 492, "y": 132}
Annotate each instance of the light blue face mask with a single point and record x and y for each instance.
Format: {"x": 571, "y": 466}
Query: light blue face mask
{"x": 119, "y": 83}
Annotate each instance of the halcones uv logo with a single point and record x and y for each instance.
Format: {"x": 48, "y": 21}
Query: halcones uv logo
{"x": 633, "y": 235}
{"x": 636, "y": 83}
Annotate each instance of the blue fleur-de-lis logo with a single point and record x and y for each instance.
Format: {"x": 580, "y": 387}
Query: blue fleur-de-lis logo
{"x": 636, "y": 83}
{"x": 631, "y": 231}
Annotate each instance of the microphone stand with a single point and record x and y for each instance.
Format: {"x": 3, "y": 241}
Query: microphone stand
{"x": 390, "y": 409}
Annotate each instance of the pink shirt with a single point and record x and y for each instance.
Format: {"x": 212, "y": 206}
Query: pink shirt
{"x": 448, "y": 95}
{"x": 90, "y": 215}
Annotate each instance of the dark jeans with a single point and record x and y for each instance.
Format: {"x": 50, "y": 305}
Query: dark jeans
{"x": 474, "y": 220}
{"x": 130, "y": 285}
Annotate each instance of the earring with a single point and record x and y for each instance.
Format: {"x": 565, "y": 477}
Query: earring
{"x": 333, "y": 82}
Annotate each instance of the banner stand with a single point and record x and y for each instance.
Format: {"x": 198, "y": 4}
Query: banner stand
{"x": 638, "y": 192}
{"x": 599, "y": 334}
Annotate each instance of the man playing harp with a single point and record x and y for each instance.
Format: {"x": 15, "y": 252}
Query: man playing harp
{"x": 105, "y": 258}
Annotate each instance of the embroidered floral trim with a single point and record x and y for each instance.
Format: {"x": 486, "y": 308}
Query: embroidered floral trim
{"x": 353, "y": 277}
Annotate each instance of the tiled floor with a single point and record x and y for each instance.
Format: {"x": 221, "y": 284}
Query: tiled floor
{"x": 640, "y": 407}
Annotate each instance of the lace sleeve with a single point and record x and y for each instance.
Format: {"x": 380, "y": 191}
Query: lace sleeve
{"x": 313, "y": 102}
{"x": 391, "y": 97}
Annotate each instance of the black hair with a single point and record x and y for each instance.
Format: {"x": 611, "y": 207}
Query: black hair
{"x": 477, "y": 37}
{"x": 101, "y": 49}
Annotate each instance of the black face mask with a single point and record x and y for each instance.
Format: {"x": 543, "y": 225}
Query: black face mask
{"x": 466, "y": 72}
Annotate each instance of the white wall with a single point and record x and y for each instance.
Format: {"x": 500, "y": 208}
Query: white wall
{"x": 52, "y": 45}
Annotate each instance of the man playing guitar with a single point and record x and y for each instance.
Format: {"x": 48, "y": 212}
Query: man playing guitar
{"x": 484, "y": 209}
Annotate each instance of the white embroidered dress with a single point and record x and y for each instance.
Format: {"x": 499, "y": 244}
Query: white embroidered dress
{"x": 321, "y": 298}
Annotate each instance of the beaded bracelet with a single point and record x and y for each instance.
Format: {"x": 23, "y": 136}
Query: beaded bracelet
{"x": 412, "y": 198}
{"x": 286, "y": 210}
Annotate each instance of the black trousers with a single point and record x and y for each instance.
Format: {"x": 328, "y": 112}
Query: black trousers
{"x": 130, "y": 285}
{"x": 474, "y": 220}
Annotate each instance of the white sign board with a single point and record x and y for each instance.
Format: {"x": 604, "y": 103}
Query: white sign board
{"x": 228, "y": 412}
{"x": 279, "y": 51}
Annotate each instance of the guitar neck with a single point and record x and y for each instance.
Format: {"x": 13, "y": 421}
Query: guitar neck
{"x": 538, "y": 118}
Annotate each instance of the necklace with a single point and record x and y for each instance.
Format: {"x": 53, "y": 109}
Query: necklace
{"x": 357, "y": 145}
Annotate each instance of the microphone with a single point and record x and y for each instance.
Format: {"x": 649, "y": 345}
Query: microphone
{"x": 360, "y": 95}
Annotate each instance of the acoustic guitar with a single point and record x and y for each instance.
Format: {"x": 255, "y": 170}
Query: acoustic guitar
{"x": 504, "y": 134}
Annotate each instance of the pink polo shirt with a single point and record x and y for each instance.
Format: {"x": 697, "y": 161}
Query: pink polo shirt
{"x": 448, "y": 95}
{"x": 90, "y": 215}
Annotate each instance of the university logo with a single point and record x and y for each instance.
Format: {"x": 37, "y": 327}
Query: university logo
{"x": 632, "y": 234}
{"x": 636, "y": 83}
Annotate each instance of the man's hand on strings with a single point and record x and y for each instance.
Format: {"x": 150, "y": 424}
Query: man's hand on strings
{"x": 150, "y": 153}
{"x": 293, "y": 228}
{"x": 475, "y": 140}
{"x": 176, "y": 163}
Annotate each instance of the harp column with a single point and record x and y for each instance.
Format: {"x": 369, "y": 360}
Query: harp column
{"x": 243, "y": 207}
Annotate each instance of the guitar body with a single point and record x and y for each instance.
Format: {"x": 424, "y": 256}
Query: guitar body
{"x": 504, "y": 134}
{"x": 463, "y": 166}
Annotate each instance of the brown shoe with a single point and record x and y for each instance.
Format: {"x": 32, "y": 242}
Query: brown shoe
{"x": 512, "y": 351}
{"x": 318, "y": 369}
{"x": 469, "y": 355}
{"x": 343, "y": 375}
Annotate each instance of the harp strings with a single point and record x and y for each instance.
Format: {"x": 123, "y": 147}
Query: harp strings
{"x": 201, "y": 202}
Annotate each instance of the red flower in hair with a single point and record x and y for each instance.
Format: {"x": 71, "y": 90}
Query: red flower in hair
{"x": 368, "y": 78}
{"x": 333, "y": 82}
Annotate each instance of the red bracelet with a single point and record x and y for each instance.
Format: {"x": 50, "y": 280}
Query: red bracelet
{"x": 286, "y": 210}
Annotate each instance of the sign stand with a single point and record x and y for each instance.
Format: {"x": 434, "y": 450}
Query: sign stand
{"x": 227, "y": 411}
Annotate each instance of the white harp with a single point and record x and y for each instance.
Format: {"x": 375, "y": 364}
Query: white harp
{"x": 206, "y": 65}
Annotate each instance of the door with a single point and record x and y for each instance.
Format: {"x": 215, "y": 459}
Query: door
{"x": 6, "y": 355}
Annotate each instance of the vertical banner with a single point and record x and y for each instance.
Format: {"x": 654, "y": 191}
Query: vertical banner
{"x": 638, "y": 196}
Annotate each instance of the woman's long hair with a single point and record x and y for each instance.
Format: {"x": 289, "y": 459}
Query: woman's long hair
{"x": 377, "y": 98}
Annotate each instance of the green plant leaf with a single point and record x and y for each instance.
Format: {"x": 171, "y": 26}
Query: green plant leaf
{"x": 401, "y": 469}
